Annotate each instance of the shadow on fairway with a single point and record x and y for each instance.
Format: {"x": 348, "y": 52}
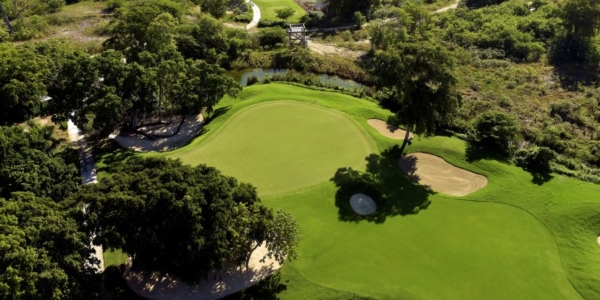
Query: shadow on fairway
{"x": 394, "y": 192}
{"x": 267, "y": 289}
{"x": 475, "y": 153}
{"x": 216, "y": 113}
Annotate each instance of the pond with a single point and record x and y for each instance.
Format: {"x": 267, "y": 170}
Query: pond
{"x": 260, "y": 73}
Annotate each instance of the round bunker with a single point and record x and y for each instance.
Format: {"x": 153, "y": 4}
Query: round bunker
{"x": 363, "y": 204}
{"x": 388, "y": 131}
{"x": 441, "y": 176}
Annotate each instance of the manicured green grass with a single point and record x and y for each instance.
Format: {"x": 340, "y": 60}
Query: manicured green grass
{"x": 281, "y": 146}
{"x": 268, "y": 7}
{"x": 518, "y": 238}
{"x": 114, "y": 258}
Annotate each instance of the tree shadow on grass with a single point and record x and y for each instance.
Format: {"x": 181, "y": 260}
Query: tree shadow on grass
{"x": 115, "y": 285}
{"x": 267, "y": 289}
{"x": 216, "y": 113}
{"x": 475, "y": 153}
{"x": 394, "y": 192}
{"x": 110, "y": 154}
{"x": 540, "y": 178}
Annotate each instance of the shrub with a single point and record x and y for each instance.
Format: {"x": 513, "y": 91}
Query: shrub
{"x": 535, "y": 158}
{"x": 496, "y": 131}
{"x": 271, "y": 37}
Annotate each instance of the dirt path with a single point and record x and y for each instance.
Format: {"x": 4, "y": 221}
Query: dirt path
{"x": 449, "y": 7}
{"x": 255, "y": 15}
{"x": 88, "y": 175}
{"x": 325, "y": 49}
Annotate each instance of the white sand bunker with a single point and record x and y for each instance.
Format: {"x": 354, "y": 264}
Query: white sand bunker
{"x": 441, "y": 176}
{"x": 388, "y": 131}
{"x": 171, "y": 139}
{"x": 154, "y": 286}
{"x": 363, "y": 204}
{"x": 598, "y": 239}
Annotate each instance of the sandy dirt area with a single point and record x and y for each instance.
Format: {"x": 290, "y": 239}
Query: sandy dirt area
{"x": 441, "y": 176}
{"x": 363, "y": 204}
{"x": 155, "y": 286}
{"x": 325, "y": 49}
{"x": 387, "y": 130}
{"x": 166, "y": 139}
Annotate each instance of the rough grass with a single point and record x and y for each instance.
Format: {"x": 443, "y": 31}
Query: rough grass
{"x": 521, "y": 237}
{"x": 268, "y": 7}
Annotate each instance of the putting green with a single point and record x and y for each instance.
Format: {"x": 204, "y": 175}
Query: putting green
{"x": 281, "y": 146}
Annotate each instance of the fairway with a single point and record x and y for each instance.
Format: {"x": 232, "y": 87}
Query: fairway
{"x": 282, "y": 146}
{"x": 268, "y": 7}
{"x": 452, "y": 250}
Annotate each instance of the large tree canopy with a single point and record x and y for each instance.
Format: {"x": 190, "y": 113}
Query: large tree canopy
{"x": 421, "y": 77}
{"x": 44, "y": 253}
{"x": 30, "y": 161}
{"x": 184, "y": 220}
{"x": 22, "y": 75}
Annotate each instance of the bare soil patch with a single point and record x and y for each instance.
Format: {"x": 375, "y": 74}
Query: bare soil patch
{"x": 325, "y": 49}
{"x": 363, "y": 204}
{"x": 156, "y": 286}
{"x": 165, "y": 136}
{"x": 441, "y": 176}
{"x": 387, "y": 130}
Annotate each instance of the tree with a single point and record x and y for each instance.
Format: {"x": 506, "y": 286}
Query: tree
{"x": 184, "y": 220}
{"x": 31, "y": 162}
{"x": 496, "y": 131}
{"x": 481, "y": 3}
{"x": 145, "y": 26}
{"x": 344, "y": 9}
{"x": 11, "y": 30}
{"x": 216, "y": 8}
{"x": 201, "y": 86}
{"x": 359, "y": 19}
{"x": 22, "y": 75}
{"x": 420, "y": 74}
{"x": 580, "y": 21}
{"x": 284, "y": 13}
{"x": 44, "y": 255}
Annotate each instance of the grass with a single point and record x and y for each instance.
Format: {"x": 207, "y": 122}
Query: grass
{"x": 518, "y": 238}
{"x": 268, "y": 7}
{"x": 280, "y": 146}
{"x": 114, "y": 258}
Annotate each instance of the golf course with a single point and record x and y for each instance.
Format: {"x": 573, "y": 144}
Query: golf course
{"x": 514, "y": 237}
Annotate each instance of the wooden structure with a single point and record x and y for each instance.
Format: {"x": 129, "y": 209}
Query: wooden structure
{"x": 297, "y": 34}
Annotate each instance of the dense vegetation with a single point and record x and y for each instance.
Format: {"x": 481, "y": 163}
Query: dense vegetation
{"x": 187, "y": 221}
{"x": 45, "y": 251}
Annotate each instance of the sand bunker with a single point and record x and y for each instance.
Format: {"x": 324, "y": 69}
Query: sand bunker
{"x": 155, "y": 286}
{"x": 598, "y": 239}
{"x": 137, "y": 142}
{"x": 441, "y": 176}
{"x": 363, "y": 204}
{"x": 386, "y": 130}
